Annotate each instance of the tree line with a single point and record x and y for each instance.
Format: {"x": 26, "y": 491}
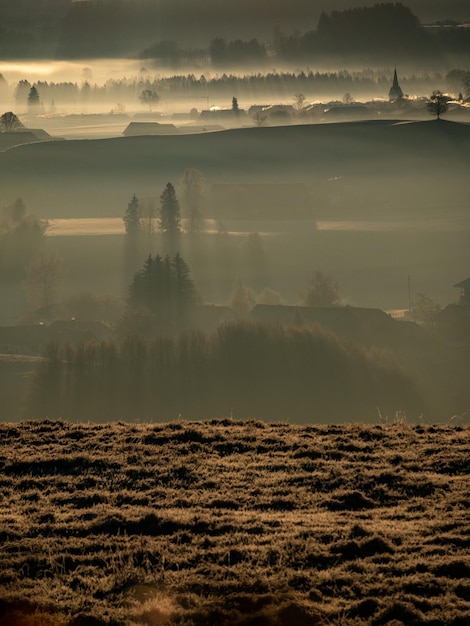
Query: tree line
{"x": 244, "y": 370}
{"x": 263, "y": 86}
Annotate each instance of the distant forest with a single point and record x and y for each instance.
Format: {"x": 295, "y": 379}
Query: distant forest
{"x": 113, "y": 28}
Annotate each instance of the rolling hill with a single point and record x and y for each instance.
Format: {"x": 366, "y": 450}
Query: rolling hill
{"x": 406, "y": 165}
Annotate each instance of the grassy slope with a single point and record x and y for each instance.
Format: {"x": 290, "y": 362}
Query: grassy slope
{"x": 234, "y": 523}
{"x": 82, "y": 178}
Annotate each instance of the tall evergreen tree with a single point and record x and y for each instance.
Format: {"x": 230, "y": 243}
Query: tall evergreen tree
{"x": 185, "y": 293}
{"x": 132, "y": 216}
{"x": 170, "y": 215}
{"x": 235, "y": 107}
{"x": 33, "y": 98}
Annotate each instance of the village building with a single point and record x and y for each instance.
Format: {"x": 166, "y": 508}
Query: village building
{"x": 464, "y": 287}
{"x": 395, "y": 92}
{"x": 365, "y": 325}
{"x": 140, "y": 129}
{"x": 454, "y": 320}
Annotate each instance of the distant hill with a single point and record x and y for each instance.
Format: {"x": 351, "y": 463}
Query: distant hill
{"x": 29, "y": 28}
{"x": 405, "y": 166}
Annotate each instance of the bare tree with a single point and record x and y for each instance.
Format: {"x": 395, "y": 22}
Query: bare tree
{"x": 191, "y": 189}
{"x": 149, "y": 97}
{"x": 43, "y": 279}
{"x": 299, "y": 101}
{"x": 260, "y": 118}
{"x": 322, "y": 291}
{"x": 425, "y": 309}
{"x": 242, "y": 299}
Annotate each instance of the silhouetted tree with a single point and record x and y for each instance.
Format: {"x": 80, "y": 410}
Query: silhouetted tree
{"x": 43, "y": 279}
{"x": 242, "y": 299}
{"x": 132, "y": 216}
{"x": 15, "y": 211}
{"x": 85, "y": 92}
{"x": 437, "y": 104}
{"x": 169, "y": 220}
{"x": 133, "y": 240}
{"x": 192, "y": 194}
{"x": 149, "y": 97}
{"x": 22, "y": 91}
{"x": 185, "y": 292}
{"x": 9, "y": 121}
{"x": 170, "y": 216}
{"x": 424, "y": 309}
{"x": 235, "y": 107}
{"x": 299, "y": 101}
{"x": 322, "y": 291}
{"x": 33, "y": 98}
{"x": 260, "y": 118}
{"x": 22, "y": 236}
{"x": 164, "y": 289}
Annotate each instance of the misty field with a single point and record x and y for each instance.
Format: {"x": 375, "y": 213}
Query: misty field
{"x": 227, "y": 522}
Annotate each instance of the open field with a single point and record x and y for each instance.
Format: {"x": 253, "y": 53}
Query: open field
{"x": 371, "y": 267}
{"x": 115, "y": 226}
{"x": 390, "y": 167}
{"x": 234, "y": 523}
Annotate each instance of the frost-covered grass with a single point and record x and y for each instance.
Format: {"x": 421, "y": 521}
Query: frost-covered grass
{"x": 226, "y": 522}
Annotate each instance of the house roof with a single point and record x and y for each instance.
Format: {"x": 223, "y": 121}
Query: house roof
{"x": 360, "y": 324}
{"x": 465, "y": 284}
{"x": 149, "y": 128}
{"x": 328, "y": 315}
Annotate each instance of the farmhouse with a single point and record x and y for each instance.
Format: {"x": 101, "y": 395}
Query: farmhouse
{"x": 139, "y": 129}
{"x": 366, "y": 325}
{"x": 454, "y": 319}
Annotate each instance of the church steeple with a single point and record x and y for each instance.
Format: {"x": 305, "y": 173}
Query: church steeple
{"x": 395, "y": 90}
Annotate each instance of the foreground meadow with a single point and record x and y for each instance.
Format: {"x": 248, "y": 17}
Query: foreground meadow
{"x": 226, "y": 522}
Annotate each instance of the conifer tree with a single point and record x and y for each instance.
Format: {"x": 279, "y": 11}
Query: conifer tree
{"x": 170, "y": 215}
{"x": 132, "y": 216}
{"x": 33, "y": 98}
{"x": 163, "y": 288}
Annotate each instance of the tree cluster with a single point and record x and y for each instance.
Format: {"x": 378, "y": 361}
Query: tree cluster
{"x": 162, "y": 293}
{"x": 21, "y": 238}
{"x": 244, "y": 369}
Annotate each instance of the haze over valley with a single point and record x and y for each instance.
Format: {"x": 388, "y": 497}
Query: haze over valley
{"x": 234, "y": 313}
